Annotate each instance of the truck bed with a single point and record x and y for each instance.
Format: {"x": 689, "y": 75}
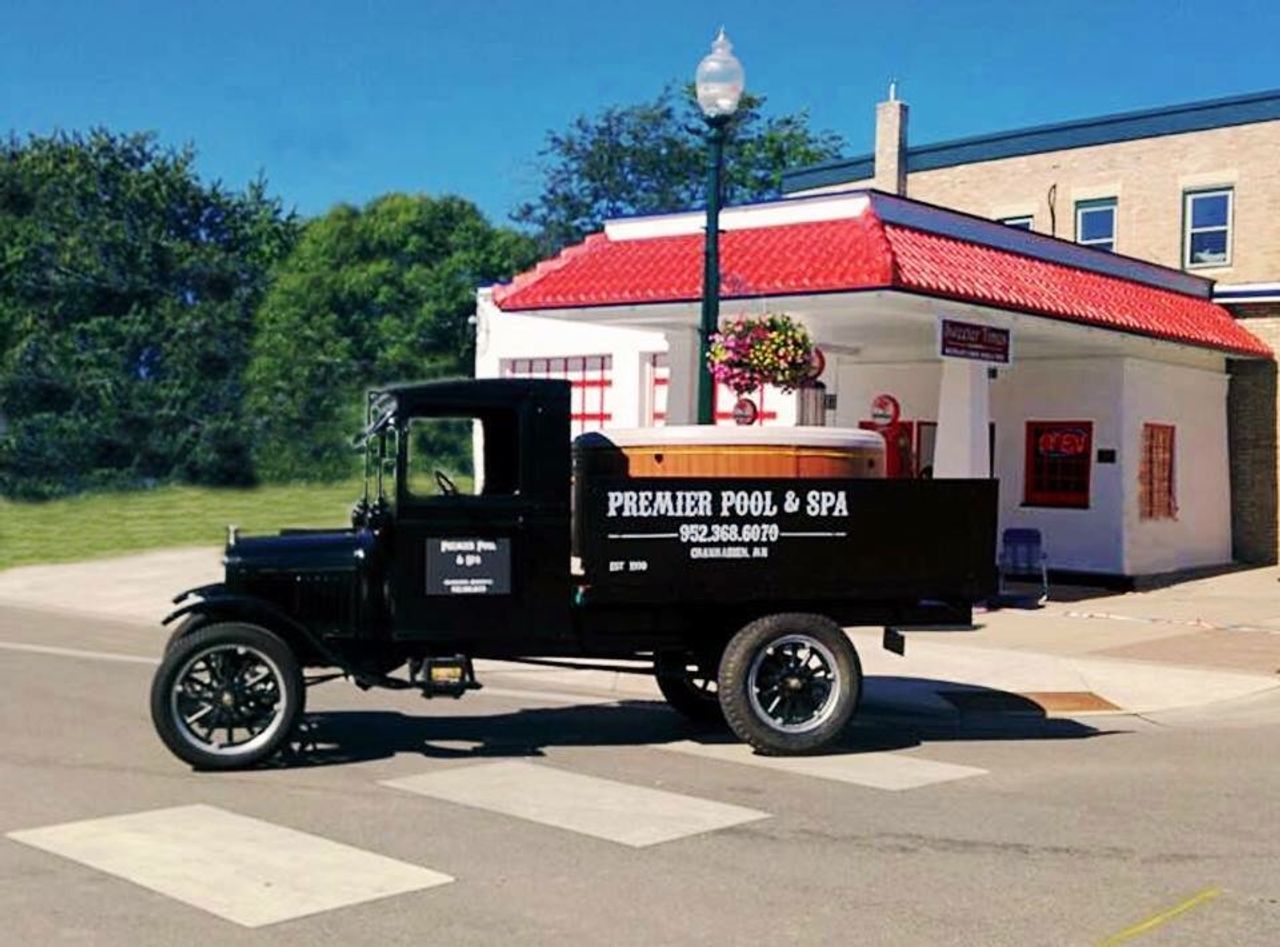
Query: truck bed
{"x": 699, "y": 540}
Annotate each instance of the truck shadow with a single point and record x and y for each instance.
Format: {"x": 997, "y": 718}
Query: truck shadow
{"x": 333, "y": 738}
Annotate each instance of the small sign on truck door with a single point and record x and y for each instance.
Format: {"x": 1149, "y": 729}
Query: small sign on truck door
{"x": 468, "y": 565}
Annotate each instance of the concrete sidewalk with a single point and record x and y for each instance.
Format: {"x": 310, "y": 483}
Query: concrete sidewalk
{"x": 1190, "y": 644}
{"x": 1187, "y": 645}
{"x": 136, "y": 588}
{"x": 1229, "y": 622}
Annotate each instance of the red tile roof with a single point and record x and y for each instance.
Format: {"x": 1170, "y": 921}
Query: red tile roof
{"x": 956, "y": 269}
{"x": 865, "y": 252}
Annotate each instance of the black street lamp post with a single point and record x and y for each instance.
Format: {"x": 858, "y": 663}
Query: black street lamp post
{"x": 718, "y": 132}
{"x": 719, "y": 83}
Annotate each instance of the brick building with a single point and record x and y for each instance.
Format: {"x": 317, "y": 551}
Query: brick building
{"x": 1194, "y": 187}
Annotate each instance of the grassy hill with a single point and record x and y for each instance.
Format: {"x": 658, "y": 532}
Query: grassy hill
{"x": 105, "y": 524}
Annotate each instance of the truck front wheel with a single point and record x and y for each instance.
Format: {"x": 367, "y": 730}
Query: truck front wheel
{"x": 227, "y": 696}
{"x": 789, "y": 683}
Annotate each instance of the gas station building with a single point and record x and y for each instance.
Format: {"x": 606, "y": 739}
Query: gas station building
{"x": 1098, "y": 390}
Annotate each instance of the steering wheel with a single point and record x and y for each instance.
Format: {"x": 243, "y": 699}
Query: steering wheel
{"x": 447, "y": 486}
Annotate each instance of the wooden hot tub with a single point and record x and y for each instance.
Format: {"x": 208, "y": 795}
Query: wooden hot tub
{"x": 707, "y": 451}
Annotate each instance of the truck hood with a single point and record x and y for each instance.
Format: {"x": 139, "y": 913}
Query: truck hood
{"x": 300, "y": 551}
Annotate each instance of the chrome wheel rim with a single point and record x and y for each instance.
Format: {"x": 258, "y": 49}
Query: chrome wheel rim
{"x": 228, "y": 699}
{"x": 794, "y": 684}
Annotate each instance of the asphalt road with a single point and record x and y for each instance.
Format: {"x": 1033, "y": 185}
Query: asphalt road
{"x": 526, "y": 818}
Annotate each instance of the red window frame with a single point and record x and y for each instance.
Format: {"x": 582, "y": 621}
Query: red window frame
{"x": 1059, "y": 464}
{"x": 591, "y": 377}
{"x": 659, "y": 389}
{"x": 721, "y": 395}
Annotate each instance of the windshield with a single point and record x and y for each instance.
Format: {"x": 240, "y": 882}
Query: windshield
{"x": 377, "y": 442}
{"x": 382, "y": 410}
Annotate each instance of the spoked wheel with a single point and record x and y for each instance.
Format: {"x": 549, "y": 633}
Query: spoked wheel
{"x": 688, "y": 686}
{"x": 789, "y": 683}
{"x": 227, "y": 696}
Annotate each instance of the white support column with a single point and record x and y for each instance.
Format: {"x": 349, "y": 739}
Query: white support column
{"x": 682, "y": 390}
{"x": 964, "y": 415}
{"x": 628, "y": 396}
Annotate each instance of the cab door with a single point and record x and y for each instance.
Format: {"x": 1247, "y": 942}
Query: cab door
{"x": 480, "y": 556}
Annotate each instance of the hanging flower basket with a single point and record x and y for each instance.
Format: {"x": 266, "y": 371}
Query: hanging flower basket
{"x": 753, "y": 351}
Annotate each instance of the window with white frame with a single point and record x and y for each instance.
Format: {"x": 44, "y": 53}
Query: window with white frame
{"x": 1206, "y": 228}
{"x": 1019, "y": 223}
{"x": 1096, "y": 223}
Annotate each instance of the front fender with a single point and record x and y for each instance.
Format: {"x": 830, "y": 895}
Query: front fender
{"x": 200, "y": 591}
{"x": 217, "y": 603}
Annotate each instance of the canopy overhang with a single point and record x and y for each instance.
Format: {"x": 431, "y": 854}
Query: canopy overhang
{"x": 873, "y": 273}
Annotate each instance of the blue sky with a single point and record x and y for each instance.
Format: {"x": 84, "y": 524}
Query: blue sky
{"x": 345, "y": 100}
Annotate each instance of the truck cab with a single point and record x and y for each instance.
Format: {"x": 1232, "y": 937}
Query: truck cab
{"x": 479, "y": 555}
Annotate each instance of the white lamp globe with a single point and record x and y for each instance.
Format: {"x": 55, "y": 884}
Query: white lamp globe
{"x": 720, "y": 79}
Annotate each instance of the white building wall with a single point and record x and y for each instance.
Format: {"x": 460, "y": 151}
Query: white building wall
{"x": 1044, "y": 390}
{"x": 914, "y": 384}
{"x": 1195, "y": 403}
{"x": 1117, "y": 395}
{"x": 1083, "y": 389}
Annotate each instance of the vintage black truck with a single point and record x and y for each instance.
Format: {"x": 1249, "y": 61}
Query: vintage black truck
{"x": 731, "y": 583}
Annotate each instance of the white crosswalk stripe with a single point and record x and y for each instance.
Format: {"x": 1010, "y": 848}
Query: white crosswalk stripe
{"x": 893, "y": 771}
{"x": 241, "y": 869}
{"x": 619, "y": 812}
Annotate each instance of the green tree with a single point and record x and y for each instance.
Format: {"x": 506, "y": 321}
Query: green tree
{"x": 369, "y": 296}
{"x": 127, "y": 288}
{"x": 652, "y": 158}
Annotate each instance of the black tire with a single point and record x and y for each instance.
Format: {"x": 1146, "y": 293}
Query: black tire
{"x": 238, "y": 679}
{"x": 789, "y": 683}
{"x": 689, "y": 686}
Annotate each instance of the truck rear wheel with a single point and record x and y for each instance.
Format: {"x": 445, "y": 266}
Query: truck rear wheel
{"x": 227, "y": 696}
{"x": 689, "y": 686}
{"x": 789, "y": 683}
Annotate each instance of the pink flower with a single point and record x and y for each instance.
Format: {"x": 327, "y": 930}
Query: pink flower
{"x": 752, "y": 351}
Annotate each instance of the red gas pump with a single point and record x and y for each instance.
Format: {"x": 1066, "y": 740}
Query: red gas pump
{"x": 899, "y": 435}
